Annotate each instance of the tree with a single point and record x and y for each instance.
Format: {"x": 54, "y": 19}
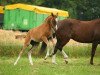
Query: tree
{"x": 80, "y": 9}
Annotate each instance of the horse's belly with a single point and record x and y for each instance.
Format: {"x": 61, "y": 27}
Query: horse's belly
{"x": 83, "y": 39}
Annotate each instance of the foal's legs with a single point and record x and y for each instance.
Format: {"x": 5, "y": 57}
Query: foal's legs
{"x": 94, "y": 46}
{"x": 26, "y": 44}
{"x": 34, "y": 45}
{"x": 48, "y": 46}
{"x": 29, "y": 56}
{"x": 53, "y": 45}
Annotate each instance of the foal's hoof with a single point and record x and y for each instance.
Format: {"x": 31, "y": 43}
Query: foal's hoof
{"x": 45, "y": 58}
{"x": 66, "y": 61}
{"x": 31, "y": 64}
{"x": 15, "y": 63}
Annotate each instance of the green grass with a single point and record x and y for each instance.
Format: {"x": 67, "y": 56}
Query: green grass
{"x": 79, "y": 57}
{"x": 76, "y": 66}
{"x": 12, "y": 50}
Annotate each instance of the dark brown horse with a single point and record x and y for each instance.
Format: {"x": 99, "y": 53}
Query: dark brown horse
{"x": 39, "y": 34}
{"x": 80, "y": 31}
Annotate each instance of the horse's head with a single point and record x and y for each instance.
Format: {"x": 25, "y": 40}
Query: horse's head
{"x": 52, "y": 21}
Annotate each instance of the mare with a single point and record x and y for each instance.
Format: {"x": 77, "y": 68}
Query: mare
{"x": 80, "y": 31}
{"x": 39, "y": 34}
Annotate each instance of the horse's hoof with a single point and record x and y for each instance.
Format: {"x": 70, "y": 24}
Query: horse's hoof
{"x": 54, "y": 63}
{"x": 50, "y": 55}
{"x": 66, "y": 61}
{"x": 91, "y": 63}
{"x": 31, "y": 63}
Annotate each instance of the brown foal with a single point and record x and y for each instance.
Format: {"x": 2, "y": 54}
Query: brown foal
{"x": 39, "y": 34}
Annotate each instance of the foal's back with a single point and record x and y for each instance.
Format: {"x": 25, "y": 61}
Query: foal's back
{"x": 37, "y": 33}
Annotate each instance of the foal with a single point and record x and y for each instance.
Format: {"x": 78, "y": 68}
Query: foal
{"x": 39, "y": 34}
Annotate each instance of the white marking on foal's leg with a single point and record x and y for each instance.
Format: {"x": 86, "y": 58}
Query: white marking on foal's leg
{"x": 48, "y": 49}
{"x": 17, "y": 60}
{"x": 47, "y": 54}
{"x": 56, "y": 27}
{"x": 65, "y": 56}
{"x": 19, "y": 56}
{"x": 53, "y": 59}
{"x": 30, "y": 58}
{"x": 51, "y": 52}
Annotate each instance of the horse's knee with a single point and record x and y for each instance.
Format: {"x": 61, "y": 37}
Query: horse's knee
{"x": 59, "y": 46}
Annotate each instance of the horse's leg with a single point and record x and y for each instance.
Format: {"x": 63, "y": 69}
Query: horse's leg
{"x": 94, "y": 46}
{"x": 26, "y": 44}
{"x": 29, "y": 56}
{"x": 53, "y": 46}
{"x": 65, "y": 56}
{"x": 48, "y": 46}
{"x": 54, "y": 55}
{"x": 59, "y": 45}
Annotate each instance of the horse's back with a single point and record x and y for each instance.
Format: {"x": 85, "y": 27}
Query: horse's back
{"x": 87, "y": 31}
{"x": 81, "y": 31}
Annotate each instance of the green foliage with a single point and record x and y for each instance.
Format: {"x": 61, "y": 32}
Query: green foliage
{"x": 80, "y": 9}
{"x": 13, "y": 50}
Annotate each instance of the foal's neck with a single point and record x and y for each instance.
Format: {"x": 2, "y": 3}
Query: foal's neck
{"x": 48, "y": 24}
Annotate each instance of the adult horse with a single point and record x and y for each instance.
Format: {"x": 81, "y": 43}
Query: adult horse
{"x": 80, "y": 31}
{"x": 39, "y": 34}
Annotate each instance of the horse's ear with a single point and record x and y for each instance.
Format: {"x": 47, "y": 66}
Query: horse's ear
{"x": 52, "y": 14}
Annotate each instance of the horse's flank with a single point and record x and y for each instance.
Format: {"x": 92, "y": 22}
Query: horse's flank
{"x": 81, "y": 31}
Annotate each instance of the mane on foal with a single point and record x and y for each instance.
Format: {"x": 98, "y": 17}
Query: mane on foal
{"x": 39, "y": 34}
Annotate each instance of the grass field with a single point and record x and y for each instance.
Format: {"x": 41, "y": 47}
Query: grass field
{"x": 76, "y": 66}
{"x": 79, "y": 57}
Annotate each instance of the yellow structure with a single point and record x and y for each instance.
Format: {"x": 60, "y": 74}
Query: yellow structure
{"x": 1, "y": 9}
{"x": 37, "y": 9}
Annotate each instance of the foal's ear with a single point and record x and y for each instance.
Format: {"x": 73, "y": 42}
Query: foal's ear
{"x": 57, "y": 14}
{"x": 52, "y": 14}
